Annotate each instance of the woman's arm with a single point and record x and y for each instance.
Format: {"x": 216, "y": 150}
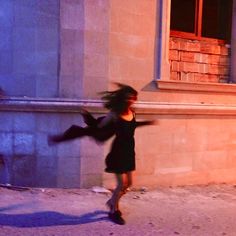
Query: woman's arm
{"x": 148, "y": 122}
{"x": 108, "y": 119}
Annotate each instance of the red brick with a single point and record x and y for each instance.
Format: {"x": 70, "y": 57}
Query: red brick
{"x": 183, "y": 45}
{"x": 200, "y": 77}
{"x": 213, "y": 69}
{"x": 224, "y": 60}
{"x": 187, "y": 56}
{"x": 189, "y": 77}
{"x": 210, "y": 48}
{"x": 223, "y": 70}
{"x": 224, "y": 50}
{"x": 174, "y": 44}
{"x": 188, "y": 67}
{"x": 203, "y": 68}
{"x": 214, "y": 59}
{"x": 193, "y": 46}
{"x": 200, "y": 57}
{"x": 223, "y": 79}
{"x": 213, "y": 78}
{"x": 174, "y": 55}
{"x": 174, "y": 66}
{"x": 174, "y": 76}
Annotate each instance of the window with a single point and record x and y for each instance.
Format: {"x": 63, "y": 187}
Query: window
{"x": 201, "y": 19}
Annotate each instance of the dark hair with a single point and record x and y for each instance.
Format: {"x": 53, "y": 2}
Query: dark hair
{"x": 117, "y": 100}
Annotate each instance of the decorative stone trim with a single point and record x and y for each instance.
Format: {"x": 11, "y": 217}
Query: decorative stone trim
{"x": 95, "y": 106}
{"x": 193, "y": 86}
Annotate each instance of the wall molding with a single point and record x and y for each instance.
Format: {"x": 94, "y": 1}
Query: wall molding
{"x": 59, "y": 105}
{"x": 196, "y": 87}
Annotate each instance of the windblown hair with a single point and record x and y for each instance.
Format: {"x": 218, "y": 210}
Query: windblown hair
{"x": 117, "y": 100}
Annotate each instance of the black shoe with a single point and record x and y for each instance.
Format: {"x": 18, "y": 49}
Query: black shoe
{"x": 116, "y": 218}
{"x": 110, "y": 207}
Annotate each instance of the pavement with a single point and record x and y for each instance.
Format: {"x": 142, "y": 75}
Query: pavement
{"x": 191, "y": 210}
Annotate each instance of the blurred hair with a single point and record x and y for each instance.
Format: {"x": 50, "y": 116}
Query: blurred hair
{"x": 117, "y": 100}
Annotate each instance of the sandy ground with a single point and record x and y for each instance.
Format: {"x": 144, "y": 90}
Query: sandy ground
{"x": 198, "y": 210}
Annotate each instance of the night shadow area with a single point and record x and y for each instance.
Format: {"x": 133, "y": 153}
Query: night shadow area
{"x": 50, "y": 218}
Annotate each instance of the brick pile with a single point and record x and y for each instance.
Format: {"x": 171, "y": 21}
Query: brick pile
{"x": 199, "y": 61}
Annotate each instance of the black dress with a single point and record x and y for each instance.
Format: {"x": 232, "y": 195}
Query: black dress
{"x": 121, "y": 157}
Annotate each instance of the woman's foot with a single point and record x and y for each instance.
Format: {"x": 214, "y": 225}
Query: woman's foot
{"x": 116, "y": 218}
{"x": 109, "y": 204}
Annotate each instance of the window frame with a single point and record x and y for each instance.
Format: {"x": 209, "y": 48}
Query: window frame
{"x": 196, "y": 35}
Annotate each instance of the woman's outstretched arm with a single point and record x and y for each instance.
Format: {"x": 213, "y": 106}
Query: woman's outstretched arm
{"x": 146, "y": 122}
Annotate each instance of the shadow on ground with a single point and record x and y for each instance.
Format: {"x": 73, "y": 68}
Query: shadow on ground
{"x": 50, "y": 218}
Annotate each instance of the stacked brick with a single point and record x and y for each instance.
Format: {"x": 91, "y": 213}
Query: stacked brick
{"x": 198, "y": 61}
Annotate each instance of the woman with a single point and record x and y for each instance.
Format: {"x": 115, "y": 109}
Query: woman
{"x": 120, "y": 121}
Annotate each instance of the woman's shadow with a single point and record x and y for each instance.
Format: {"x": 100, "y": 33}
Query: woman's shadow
{"x": 50, "y": 218}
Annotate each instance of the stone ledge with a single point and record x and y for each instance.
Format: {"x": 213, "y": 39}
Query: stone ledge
{"x": 141, "y": 107}
{"x": 196, "y": 87}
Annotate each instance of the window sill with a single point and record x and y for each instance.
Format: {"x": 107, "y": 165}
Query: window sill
{"x": 195, "y": 87}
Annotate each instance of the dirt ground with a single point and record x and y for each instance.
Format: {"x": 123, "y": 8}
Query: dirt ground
{"x": 196, "y": 210}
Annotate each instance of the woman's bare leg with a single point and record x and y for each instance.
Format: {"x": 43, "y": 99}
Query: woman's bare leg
{"x": 123, "y": 182}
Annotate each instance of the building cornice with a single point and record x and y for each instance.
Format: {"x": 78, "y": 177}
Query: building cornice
{"x": 59, "y": 105}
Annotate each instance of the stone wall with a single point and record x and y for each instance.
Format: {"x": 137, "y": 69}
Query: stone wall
{"x": 198, "y": 61}
{"x": 29, "y": 48}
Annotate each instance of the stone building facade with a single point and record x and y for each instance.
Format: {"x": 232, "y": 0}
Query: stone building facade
{"x": 57, "y": 55}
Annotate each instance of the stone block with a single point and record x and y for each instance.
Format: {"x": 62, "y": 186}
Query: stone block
{"x": 48, "y": 20}
{"x": 6, "y": 39}
{"x": 95, "y": 12}
{"x": 24, "y": 144}
{"x": 47, "y": 123}
{"x": 47, "y": 63}
{"x": 68, "y": 181}
{"x": 6, "y": 122}
{"x": 6, "y": 60}
{"x": 42, "y": 148}
{"x": 24, "y": 122}
{"x": 92, "y": 165}
{"x": 68, "y": 167}
{"x": 72, "y": 15}
{"x": 46, "y": 162}
{"x": 7, "y": 14}
{"x": 50, "y": 181}
{"x": 6, "y": 144}
{"x": 71, "y": 86}
{"x": 90, "y": 180}
{"x": 24, "y": 61}
{"x": 95, "y": 42}
{"x": 46, "y": 86}
{"x": 24, "y": 42}
{"x": 47, "y": 40}
{"x": 25, "y": 15}
{"x": 96, "y": 64}
{"x": 210, "y": 160}
{"x": 24, "y": 170}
